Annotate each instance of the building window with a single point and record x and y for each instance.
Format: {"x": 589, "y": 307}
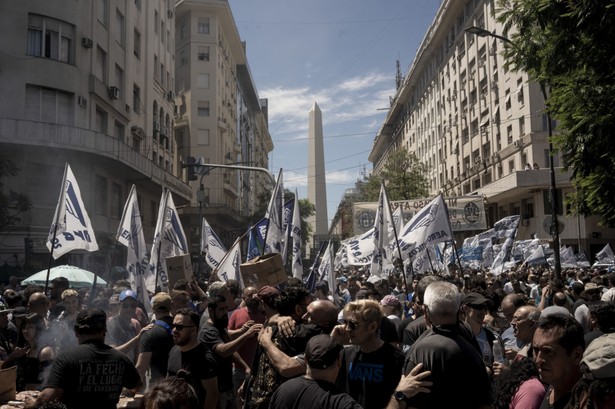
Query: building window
{"x": 203, "y": 108}
{"x": 120, "y": 35}
{"x": 116, "y": 201}
{"x": 202, "y": 80}
{"x": 203, "y": 26}
{"x": 522, "y": 126}
{"x": 100, "y": 70}
{"x": 162, "y": 32}
{"x": 49, "y": 105}
{"x": 50, "y": 38}
{"x": 182, "y": 32}
{"x": 156, "y": 22}
{"x": 118, "y": 131}
{"x": 100, "y": 121}
{"x": 101, "y": 12}
{"x": 100, "y": 195}
{"x": 520, "y": 96}
{"x": 203, "y": 137}
{"x": 119, "y": 79}
{"x": 156, "y": 68}
{"x": 138, "y": 4}
{"x": 137, "y": 49}
{"x": 136, "y": 99}
{"x": 203, "y": 54}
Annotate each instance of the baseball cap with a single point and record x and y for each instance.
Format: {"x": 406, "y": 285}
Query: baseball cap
{"x": 267, "y": 293}
{"x": 342, "y": 279}
{"x": 126, "y": 294}
{"x": 599, "y": 358}
{"x": 475, "y": 299}
{"x": 389, "y": 300}
{"x": 322, "y": 351}
{"x": 161, "y": 302}
{"x": 4, "y": 309}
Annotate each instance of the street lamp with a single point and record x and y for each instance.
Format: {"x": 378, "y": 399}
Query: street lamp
{"x": 481, "y": 32}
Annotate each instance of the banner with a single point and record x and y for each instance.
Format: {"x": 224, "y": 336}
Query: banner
{"x": 504, "y": 228}
{"x": 211, "y": 245}
{"x": 359, "y": 249}
{"x": 130, "y": 234}
{"x": 325, "y": 269}
{"x": 71, "y": 228}
{"x": 296, "y": 233}
{"x": 465, "y": 213}
{"x": 384, "y": 235}
{"x": 606, "y": 255}
{"x": 287, "y": 217}
{"x": 169, "y": 240}
{"x": 274, "y": 215}
{"x": 229, "y": 267}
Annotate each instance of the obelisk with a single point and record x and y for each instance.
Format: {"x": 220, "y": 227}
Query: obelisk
{"x": 317, "y": 185}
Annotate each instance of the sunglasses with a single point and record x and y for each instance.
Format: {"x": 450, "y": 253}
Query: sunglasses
{"x": 352, "y": 325}
{"x": 180, "y": 327}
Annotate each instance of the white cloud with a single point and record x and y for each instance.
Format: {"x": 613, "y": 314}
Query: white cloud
{"x": 362, "y": 82}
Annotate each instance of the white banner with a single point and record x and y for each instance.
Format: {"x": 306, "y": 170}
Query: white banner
{"x": 211, "y": 245}
{"x": 275, "y": 232}
{"x": 295, "y": 233}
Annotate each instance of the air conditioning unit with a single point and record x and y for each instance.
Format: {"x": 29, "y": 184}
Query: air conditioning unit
{"x": 83, "y": 102}
{"x": 114, "y": 92}
{"x": 170, "y": 95}
{"x": 156, "y": 126}
{"x": 87, "y": 42}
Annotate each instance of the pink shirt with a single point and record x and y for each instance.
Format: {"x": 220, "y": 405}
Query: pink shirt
{"x": 529, "y": 395}
{"x": 239, "y": 317}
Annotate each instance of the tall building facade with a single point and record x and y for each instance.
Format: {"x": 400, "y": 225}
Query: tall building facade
{"x": 220, "y": 118}
{"x": 479, "y": 127}
{"x": 317, "y": 184}
{"x": 89, "y": 83}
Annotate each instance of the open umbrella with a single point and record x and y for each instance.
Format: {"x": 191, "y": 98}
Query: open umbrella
{"x": 77, "y": 277}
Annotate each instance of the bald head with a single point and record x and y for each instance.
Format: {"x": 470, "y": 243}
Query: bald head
{"x": 38, "y": 303}
{"x": 524, "y": 323}
{"x": 559, "y": 299}
{"x": 510, "y": 304}
{"x": 322, "y": 313}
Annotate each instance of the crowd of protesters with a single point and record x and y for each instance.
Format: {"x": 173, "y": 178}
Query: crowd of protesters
{"x": 463, "y": 339}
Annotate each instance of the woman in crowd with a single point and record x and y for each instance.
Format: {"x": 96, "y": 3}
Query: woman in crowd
{"x": 519, "y": 387}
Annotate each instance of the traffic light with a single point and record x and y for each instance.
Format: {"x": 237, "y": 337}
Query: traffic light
{"x": 191, "y": 165}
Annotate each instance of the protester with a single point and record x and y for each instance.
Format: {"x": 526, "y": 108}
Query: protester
{"x": 63, "y": 325}
{"x": 524, "y": 323}
{"x": 170, "y": 393}
{"x": 92, "y": 372}
{"x": 474, "y": 308}
{"x": 8, "y": 333}
{"x": 124, "y": 330}
{"x": 38, "y": 304}
{"x": 519, "y": 387}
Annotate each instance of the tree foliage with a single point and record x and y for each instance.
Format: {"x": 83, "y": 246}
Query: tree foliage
{"x": 404, "y": 177}
{"x": 568, "y": 45}
{"x": 13, "y": 204}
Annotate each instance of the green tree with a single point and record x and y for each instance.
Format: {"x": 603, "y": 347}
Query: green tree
{"x": 568, "y": 45}
{"x": 13, "y": 204}
{"x": 404, "y": 177}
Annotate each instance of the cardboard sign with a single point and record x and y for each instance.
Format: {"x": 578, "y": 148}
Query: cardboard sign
{"x": 179, "y": 267}
{"x": 263, "y": 270}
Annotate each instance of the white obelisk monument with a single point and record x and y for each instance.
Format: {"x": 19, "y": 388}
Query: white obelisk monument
{"x": 317, "y": 185}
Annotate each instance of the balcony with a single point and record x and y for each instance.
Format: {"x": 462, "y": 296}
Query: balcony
{"x": 524, "y": 181}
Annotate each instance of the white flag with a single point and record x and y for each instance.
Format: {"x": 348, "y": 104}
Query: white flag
{"x": 429, "y": 226}
{"x": 212, "y": 246}
{"x": 383, "y": 230}
{"x": 325, "y": 269}
{"x": 169, "y": 240}
{"x": 360, "y": 249}
{"x": 295, "y": 233}
{"x": 130, "y": 234}
{"x": 504, "y": 228}
{"x": 71, "y": 224}
{"x": 606, "y": 255}
{"x": 229, "y": 267}
{"x": 275, "y": 232}
{"x": 537, "y": 257}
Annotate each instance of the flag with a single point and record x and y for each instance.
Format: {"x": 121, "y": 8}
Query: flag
{"x": 537, "y": 257}
{"x": 325, "y": 268}
{"x": 430, "y": 225}
{"x": 606, "y": 255}
{"x": 71, "y": 228}
{"x": 274, "y": 215}
{"x": 169, "y": 240}
{"x": 504, "y": 228}
{"x": 256, "y": 239}
{"x": 130, "y": 234}
{"x": 296, "y": 233}
{"x": 383, "y": 230}
{"x": 229, "y": 266}
{"x": 286, "y": 226}
{"x": 581, "y": 259}
{"x": 310, "y": 282}
{"x": 360, "y": 249}
{"x": 211, "y": 245}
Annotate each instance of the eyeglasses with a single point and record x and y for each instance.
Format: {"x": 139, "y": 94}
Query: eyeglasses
{"x": 352, "y": 325}
{"x": 180, "y": 327}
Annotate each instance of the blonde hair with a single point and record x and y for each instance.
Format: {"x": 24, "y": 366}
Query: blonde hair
{"x": 69, "y": 293}
{"x": 366, "y": 310}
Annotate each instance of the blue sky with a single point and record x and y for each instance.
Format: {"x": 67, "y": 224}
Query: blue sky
{"x": 340, "y": 54}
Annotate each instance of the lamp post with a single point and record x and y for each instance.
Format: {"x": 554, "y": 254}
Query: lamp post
{"x": 481, "y": 32}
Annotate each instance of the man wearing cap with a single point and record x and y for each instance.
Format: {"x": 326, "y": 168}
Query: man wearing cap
{"x": 597, "y": 387}
{"x": 155, "y": 344}
{"x": 558, "y": 349}
{"x": 124, "y": 330}
{"x": 474, "y": 308}
{"x": 591, "y": 293}
{"x": 90, "y": 375}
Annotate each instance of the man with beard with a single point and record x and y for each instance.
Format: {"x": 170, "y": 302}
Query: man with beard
{"x": 214, "y": 335}
{"x": 124, "y": 330}
{"x": 193, "y": 358}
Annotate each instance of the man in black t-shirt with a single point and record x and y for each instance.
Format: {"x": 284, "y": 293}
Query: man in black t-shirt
{"x": 193, "y": 358}
{"x": 155, "y": 344}
{"x": 92, "y": 374}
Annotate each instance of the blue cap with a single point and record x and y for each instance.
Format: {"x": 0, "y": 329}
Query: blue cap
{"x": 128, "y": 293}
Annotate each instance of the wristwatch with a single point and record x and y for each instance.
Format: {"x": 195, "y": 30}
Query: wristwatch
{"x": 399, "y": 395}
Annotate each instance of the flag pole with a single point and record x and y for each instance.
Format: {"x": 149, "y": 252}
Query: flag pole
{"x": 55, "y": 230}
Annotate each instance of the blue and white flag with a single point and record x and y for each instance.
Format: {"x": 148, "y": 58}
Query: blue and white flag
{"x": 211, "y": 245}
{"x": 130, "y": 234}
{"x": 384, "y": 235}
{"x": 537, "y": 257}
{"x": 310, "y": 281}
{"x": 430, "y": 225}
{"x": 581, "y": 259}
{"x": 325, "y": 269}
{"x": 229, "y": 267}
{"x": 606, "y": 255}
{"x": 71, "y": 228}
{"x": 360, "y": 249}
{"x": 169, "y": 240}
{"x": 287, "y": 211}
{"x": 567, "y": 258}
{"x": 504, "y": 228}
{"x": 274, "y": 215}
{"x": 256, "y": 239}
{"x": 295, "y": 234}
